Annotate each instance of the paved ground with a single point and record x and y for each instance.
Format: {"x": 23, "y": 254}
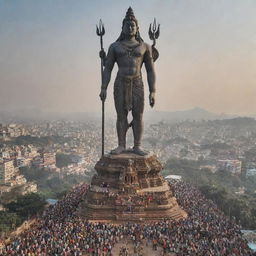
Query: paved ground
{"x": 147, "y": 250}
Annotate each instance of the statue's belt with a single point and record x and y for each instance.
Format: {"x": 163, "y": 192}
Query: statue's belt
{"x": 128, "y": 86}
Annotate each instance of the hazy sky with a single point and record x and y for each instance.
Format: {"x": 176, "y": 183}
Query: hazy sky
{"x": 49, "y": 53}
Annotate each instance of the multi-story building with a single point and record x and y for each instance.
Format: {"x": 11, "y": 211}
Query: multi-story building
{"x": 251, "y": 172}
{"x": 3, "y": 134}
{"x": 32, "y": 151}
{"x": 22, "y": 161}
{"x": 49, "y": 159}
{"x": 232, "y": 166}
{"x": 5, "y": 154}
{"x": 37, "y": 162}
{"x": 7, "y": 171}
{"x": 45, "y": 160}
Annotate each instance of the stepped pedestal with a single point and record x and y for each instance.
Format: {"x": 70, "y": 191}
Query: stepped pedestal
{"x": 128, "y": 187}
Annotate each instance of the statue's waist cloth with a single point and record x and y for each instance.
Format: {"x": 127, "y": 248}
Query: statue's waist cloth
{"x": 129, "y": 93}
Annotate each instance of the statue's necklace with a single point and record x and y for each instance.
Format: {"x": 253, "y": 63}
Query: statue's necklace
{"x": 130, "y": 49}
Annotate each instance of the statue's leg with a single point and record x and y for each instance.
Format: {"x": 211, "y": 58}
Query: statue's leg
{"x": 122, "y": 121}
{"x": 137, "y": 113}
{"x": 121, "y": 127}
{"x": 137, "y": 127}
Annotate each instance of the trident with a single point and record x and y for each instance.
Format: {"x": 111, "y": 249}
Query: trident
{"x": 100, "y": 31}
{"x": 153, "y": 32}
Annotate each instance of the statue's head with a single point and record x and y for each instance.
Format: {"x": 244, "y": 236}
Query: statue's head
{"x": 130, "y": 26}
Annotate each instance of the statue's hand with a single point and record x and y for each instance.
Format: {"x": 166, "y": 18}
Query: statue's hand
{"x": 152, "y": 99}
{"x": 103, "y": 94}
{"x": 102, "y": 54}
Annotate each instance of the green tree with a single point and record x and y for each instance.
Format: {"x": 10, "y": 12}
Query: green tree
{"x": 63, "y": 160}
{"x": 27, "y": 205}
{"x": 9, "y": 221}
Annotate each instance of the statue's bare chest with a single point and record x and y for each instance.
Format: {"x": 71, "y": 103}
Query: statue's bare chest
{"x": 123, "y": 51}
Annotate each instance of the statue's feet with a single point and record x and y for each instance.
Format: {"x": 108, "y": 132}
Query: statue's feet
{"x": 139, "y": 151}
{"x": 117, "y": 150}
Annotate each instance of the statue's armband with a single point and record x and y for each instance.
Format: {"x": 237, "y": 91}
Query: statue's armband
{"x": 155, "y": 53}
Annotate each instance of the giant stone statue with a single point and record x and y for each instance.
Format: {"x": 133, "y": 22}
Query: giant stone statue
{"x": 129, "y": 52}
{"x": 127, "y": 185}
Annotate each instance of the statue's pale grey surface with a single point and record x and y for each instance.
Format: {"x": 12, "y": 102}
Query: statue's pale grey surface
{"x": 129, "y": 52}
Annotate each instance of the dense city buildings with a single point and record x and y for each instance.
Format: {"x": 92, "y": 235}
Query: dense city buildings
{"x": 11, "y": 131}
{"x": 212, "y": 142}
{"x": 226, "y": 145}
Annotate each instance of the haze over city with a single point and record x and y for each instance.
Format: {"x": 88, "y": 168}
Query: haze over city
{"x": 49, "y": 53}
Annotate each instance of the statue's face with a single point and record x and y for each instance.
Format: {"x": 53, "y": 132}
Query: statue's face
{"x": 130, "y": 28}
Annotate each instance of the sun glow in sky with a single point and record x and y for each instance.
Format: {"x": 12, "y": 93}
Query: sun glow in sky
{"x": 49, "y": 53}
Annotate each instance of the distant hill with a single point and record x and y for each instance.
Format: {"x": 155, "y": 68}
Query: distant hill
{"x": 38, "y": 115}
{"x": 191, "y": 114}
{"x": 238, "y": 121}
{"x": 151, "y": 116}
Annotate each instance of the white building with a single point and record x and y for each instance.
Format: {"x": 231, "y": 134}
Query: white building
{"x": 251, "y": 172}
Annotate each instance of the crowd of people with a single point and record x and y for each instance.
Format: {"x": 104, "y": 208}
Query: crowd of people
{"x": 60, "y": 231}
